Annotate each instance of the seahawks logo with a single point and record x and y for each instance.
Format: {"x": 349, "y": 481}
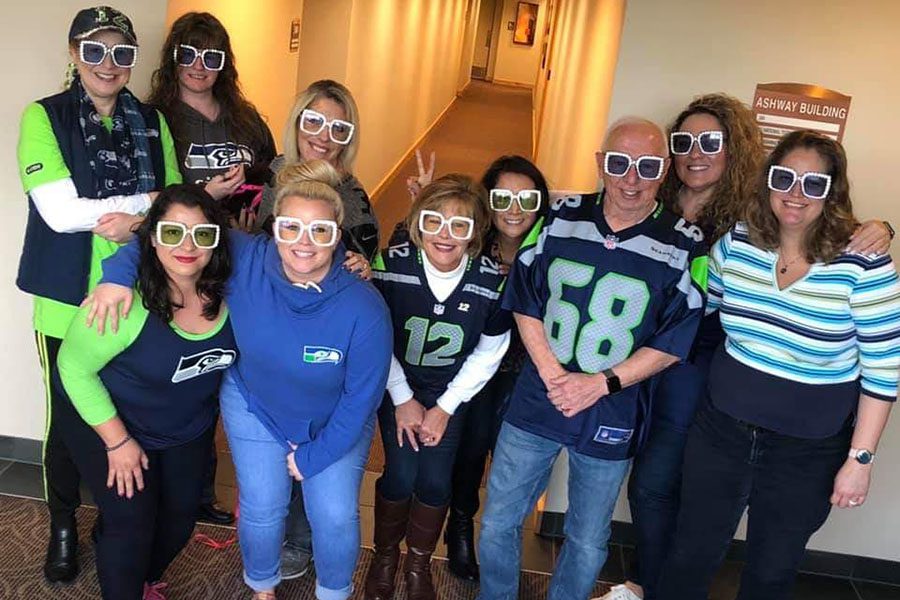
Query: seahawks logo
{"x": 217, "y": 156}
{"x": 202, "y": 363}
{"x": 322, "y": 355}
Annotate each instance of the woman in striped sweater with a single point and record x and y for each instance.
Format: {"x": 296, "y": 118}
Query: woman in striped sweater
{"x": 801, "y": 390}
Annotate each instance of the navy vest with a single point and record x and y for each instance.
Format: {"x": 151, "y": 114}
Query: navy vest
{"x": 57, "y": 265}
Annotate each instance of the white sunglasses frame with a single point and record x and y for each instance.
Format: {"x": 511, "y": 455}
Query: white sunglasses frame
{"x": 186, "y": 231}
{"x": 695, "y": 139}
{"x": 326, "y": 123}
{"x": 304, "y": 227}
{"x": 633, "y": 162}
{"x": 107, "y": 51}
{"x": 445, "y": 222}
{"x": 515, "y": 197}
{"x": 201, "y": 54}
{"x": 799, "y": 179}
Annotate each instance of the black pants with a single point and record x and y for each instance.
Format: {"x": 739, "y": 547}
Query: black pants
{"x": 427, "y": 473}
{"x": 209, "y": 472}
{"x": 483, "y": 418}
{"x": 786, "y": 483}
{"x": 60, "y": 473}
{"x": 143, "y": 535}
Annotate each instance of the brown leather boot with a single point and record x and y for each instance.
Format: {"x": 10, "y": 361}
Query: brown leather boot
{"x": 390, "y": 525}
{"x": 422, "y": 533}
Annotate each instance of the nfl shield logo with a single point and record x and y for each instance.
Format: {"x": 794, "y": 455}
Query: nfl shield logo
{"x": 438, "y": 309}
{"x": 610, "y": 242}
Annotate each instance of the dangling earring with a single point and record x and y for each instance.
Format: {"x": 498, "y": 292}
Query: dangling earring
{"x": 71, "y": 74}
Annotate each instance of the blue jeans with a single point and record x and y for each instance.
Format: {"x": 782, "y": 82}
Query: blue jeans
{"x": 519, "y": 474}
{"x": 331, "y": 498}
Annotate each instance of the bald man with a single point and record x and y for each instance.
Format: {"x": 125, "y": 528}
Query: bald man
{"x": 604, "y": 298}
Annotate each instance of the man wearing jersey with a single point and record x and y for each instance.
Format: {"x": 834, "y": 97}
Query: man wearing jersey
{"x": 606, "y": 292}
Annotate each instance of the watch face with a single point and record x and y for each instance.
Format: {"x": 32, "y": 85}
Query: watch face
{"x": 863, "y": 457}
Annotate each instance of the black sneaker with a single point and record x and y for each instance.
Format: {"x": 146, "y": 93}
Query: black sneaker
{"x": 294, "y": 563}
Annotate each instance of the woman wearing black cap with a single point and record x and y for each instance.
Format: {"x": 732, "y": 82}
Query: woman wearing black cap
{"x": 91, "y": 159}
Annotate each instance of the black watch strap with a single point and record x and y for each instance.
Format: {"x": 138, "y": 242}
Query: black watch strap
{"x": 612, "y": 381}
{"x": 890, "y": 229}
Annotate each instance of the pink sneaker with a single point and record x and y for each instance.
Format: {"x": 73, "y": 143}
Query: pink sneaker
{"x": 153, "y": 591}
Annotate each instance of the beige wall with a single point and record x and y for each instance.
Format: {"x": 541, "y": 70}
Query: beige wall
{"x": 517, "y": 63}
{"x": 583, "y": 61}
{"x": 260, "y": 35}
{"x": 467, "y": 55}
{"x": 39, "y": 28}
{"x": 401, "y": 61}
{"x": 730, "y": 47}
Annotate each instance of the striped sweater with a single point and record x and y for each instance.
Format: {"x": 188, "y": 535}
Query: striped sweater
{"x": 839, "y": 323}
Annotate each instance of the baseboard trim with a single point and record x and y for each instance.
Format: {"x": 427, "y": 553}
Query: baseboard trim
{"x": 517, "y": 84}
{"x": 376, "y": 191}
{"x": 832, "y": 564}
{"x": 21, "y": 449}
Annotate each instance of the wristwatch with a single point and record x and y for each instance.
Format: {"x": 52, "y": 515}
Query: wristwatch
{"x": 890, "y": 229}
{"x": 612, "y": 381}
{"x": 862, "y": 456}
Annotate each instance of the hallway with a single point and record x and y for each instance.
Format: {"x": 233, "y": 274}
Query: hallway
{"x": 485, "y": 122}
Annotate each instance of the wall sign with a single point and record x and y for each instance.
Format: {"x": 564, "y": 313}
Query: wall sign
{"x": 781, "y": 108}
{"x": 294, "y": 43}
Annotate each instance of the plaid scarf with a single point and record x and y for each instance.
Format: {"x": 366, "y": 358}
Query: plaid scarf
{"x": 119, "y": 157}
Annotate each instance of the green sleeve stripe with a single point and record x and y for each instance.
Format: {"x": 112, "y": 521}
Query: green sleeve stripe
{"x": 173, "y": 174}
{"x": 84, "y": 353}
{"x": 378, "y": 263}
{"x": 532, "y": 237}
{"x": 700, "y": 271}
{"x": 38, "y": 154}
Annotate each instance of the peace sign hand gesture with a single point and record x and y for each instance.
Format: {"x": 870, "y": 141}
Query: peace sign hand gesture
{"x": 415, "y": 184}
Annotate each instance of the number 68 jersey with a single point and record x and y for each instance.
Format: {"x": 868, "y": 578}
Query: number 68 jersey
{"x": 433, "y": 339}
{"x": 602, "y": 295}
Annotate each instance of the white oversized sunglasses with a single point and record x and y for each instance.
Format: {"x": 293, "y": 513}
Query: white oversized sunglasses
{"x": 528, "y": 200}
{"x": 814, "y": 186}
{"x": 459, "y": 228}
{"x": 312, "y": 122}
{"x": 92, "y": 52}
{"x": 172, "y": 234}
{"x": 322, "y": 232}
{"x": 709, "y": 142}
{"x": 648, "y": 167}
{"x": 211, "y": 58}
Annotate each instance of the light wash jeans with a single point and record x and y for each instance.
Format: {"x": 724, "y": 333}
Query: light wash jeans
{"x": 519, "y": 474}
{"x": 264, "y": 492}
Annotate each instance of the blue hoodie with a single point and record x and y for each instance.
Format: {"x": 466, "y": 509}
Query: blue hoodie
{"x": 313, "y": 363}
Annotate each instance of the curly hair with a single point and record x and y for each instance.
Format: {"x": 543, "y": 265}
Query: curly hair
{"x": 203, "y": 30}
{"x": 324, "y": 88}
{"x": 453, "y": 188}
{"x": 830, "y": 234}
{"x": 153, "y": 281}
{"x": 743, "y": 153}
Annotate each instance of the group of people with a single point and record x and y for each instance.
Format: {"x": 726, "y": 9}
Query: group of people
{"x": 714, "y": 318}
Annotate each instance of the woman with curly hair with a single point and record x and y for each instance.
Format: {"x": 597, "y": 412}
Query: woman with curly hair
{"x": 717, "y": 151}
{"x": 221, "y": 140}
{"x": 802, "y": 388}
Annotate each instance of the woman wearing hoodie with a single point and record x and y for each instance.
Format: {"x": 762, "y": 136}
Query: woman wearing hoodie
{"x": 316, "y": 342}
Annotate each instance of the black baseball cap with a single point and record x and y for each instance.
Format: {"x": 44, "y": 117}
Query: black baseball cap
{"x": 91, "y": 20}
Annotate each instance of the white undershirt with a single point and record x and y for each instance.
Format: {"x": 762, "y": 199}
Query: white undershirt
{"x": 64, "y": 211}
{"x": 478, "y": 367}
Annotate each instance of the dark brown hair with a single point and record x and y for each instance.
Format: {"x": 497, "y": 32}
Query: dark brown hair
{"x": 829, "y": 235}
{"x": 743, "y": 155}
{"x": 203, "y": 30}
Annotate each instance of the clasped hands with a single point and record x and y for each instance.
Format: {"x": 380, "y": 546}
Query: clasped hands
{"x": 420, "y": 426}
{"x": 572, "y": 393}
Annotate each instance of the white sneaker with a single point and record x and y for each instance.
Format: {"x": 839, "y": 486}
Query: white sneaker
{"x": 619, "y": 592}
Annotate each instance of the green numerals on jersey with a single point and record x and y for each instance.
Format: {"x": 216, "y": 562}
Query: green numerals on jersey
{"x": 421, "y": 331}
{"x": 616, "y": 307}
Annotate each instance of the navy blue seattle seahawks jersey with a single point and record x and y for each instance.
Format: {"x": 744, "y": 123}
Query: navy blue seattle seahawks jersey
{"x": 602, "y": 295}
{"x": 432, "y": 339}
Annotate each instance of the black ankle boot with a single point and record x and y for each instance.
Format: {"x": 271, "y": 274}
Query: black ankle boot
{"x": 460, "y": 539}
{"x": 61, "y": 565}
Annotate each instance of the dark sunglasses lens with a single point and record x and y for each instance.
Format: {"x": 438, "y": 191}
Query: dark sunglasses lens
{"x": 781, "y": 180}
{"x": 649, "y": 168}
{"x": 186, "y": 56}
{"x": 814, "y": 186}
{"x": 92, "y": 53}
{"x": 710, "y": 142}
{"x": 681, "y": 143}
{"x": 617, "y": 165}
{"x": 213, "y": 61}
{"x": 124, "y": 56}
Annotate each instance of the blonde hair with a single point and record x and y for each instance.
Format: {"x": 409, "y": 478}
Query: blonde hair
{"x": 453, "y": 188}
{"x": 324, "y": 88}
{"x": 311, "y": 180}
